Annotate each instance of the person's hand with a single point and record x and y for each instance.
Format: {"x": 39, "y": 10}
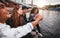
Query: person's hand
{"x": 38, "y": 17}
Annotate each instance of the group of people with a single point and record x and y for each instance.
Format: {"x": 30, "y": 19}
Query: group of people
{"x": 15, "y": 24}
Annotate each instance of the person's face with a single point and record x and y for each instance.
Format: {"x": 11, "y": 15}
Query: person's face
{"x": 5, "y": 14}
{"x": 20, "y": 11}
{"x": 35, "y": 12}
{"x": 25, "y": 11}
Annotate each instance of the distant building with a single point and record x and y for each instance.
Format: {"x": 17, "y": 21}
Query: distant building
{"x": 22, "y": 1}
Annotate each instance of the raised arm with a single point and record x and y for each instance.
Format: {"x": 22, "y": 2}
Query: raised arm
{"x": 23, "y": 30}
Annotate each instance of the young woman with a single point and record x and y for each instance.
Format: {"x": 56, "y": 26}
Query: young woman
{"x": 7, "y": 32}
{"x": 34, "y": 12}
{"x": 16, "y": 18}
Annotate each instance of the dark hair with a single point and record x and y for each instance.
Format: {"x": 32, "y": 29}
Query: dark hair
{"x": 24, "y": 7}
{"x": 2, "y": 5}
{"x": 33, "y": 10}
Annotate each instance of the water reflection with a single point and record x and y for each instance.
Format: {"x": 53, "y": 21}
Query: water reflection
{"x": 51, "y": 22}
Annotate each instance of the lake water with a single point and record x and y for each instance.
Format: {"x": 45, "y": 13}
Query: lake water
{"x": 51, "y": 22}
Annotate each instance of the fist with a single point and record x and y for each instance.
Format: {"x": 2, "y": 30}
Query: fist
{"x": 38, "y": 17}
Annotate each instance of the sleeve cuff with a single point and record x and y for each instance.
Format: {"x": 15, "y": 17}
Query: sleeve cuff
{"x": 31, "y": 25}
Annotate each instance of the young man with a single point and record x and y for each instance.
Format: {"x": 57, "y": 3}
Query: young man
{"x": 7, "y": 32}
{"x": 24, "y": 11}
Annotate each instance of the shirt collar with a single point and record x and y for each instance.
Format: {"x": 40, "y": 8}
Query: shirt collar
{"x": 2, "y": 25}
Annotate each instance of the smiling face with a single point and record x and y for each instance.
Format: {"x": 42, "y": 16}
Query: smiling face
{"x": 4, "y": 13}
{"x": 36, "y": 12}
{"x": 20, "y": 11}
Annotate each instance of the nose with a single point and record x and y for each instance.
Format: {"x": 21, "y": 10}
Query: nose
{"x": 19, "y": 11}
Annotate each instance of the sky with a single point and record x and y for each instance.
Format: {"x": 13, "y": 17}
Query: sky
{"x": 42, "y": 3}
{"x": 45, "y": 1}
{"x": 48, "y": 1}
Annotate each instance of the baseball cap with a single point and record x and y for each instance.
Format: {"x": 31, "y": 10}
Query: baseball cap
{"x": 24, "y": 7}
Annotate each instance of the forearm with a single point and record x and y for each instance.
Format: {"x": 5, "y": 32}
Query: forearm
{"x": 23, "y": 30}
{"x": 34, "y": 23}
{"x": 37, "y": 19}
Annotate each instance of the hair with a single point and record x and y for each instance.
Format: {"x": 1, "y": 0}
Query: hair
{"x": 33, "y": 10}
{"x": 16, "y": 19}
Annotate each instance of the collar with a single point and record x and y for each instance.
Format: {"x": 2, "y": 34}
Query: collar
{"x": 3, "y": 25}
